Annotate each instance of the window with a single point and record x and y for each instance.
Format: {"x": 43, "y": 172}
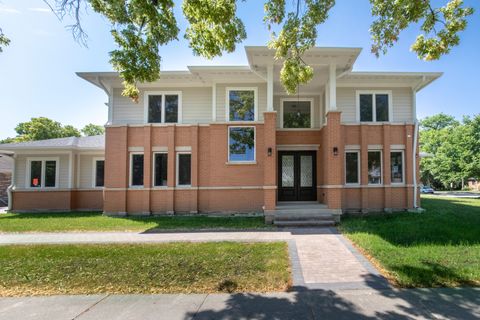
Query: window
{"x": 297, "y": 113}
{"x": 352, "y": 167}
{"x": 160, "y": 163}
{"x": 99, "y": 172}
{"x": 374, "y": 167}
{"x": 184, "y": 169}
{"x": 136, "y": 170}
{"x": 241, "y": 144}
{"x": 163, "y": 107}
{"x": 396, "y": 166}
{"x": 374, "y": 106}
{"x": 42, "y": 173}
{"x": 241, "y": 104}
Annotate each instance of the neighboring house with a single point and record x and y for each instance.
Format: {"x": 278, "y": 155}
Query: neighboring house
{"x": 474, "y": 184}
{"x": 6, "y": 168}
{"x": 229, "y": 139}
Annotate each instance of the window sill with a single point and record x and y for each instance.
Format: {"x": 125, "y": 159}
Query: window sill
{"x": 184, "y": 186}
{"x": 240, "y": 163}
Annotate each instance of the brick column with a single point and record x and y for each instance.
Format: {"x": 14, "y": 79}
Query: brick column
{"x": 364, "y": 166}
{"x": 387, "y": 179}
{"x": 147, "y": 168}
{"x": 194, "y": 193}
{"x": 116, "y": 171}
{"x": 170, "y": 196}
{"x": 269, "y": 163}
{"x": 333, "y": 176}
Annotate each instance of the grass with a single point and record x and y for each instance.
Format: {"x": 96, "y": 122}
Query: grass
{"x": 144, "y": 268}
{"x": 95, "y": 221}
{"x": 438, "y": 248}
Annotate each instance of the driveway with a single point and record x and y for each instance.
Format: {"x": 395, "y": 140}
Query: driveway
{"x": 457, "y": 194}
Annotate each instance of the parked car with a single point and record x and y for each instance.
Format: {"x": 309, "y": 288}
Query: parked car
{"x": 427, "y": 189}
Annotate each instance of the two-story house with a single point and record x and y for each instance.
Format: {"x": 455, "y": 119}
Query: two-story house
{"x": 223, "y": 139}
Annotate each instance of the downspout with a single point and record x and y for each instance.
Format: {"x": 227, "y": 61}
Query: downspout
{"x": 415, "y": 140}
{"x": 11, "y": 186}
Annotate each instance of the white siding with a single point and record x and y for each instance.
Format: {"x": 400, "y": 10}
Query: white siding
{"x": 318, "y": 111}
{"x": 221, "y": 98}
{"x": 401, "y": 103}
{"x": 87, "y": 171}
{"x": 196, "y": 106}
{"x": 21, "y": 169}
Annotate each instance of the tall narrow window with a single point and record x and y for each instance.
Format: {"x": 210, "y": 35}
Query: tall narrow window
{"x": 374, "y": 167}
{"x": 241, "y": 104}
{"x": 99, "y": 173}
{"x": 352, "y": 168}
{"x": 50, "y": 173}
{"x": 366, "y": 107}
{"x": 241, "y": 144}
{"x": 381, "y": 107}
{"x": 184, "y": 169}
{"x": 374, "y": 107}
{"x": 155, "y": 109}
{"x": 160, "y": 171}
{"x": 36, "y": 174}
{"x": 171, "y": 108}
{"x": 136, "y": 170}
{"x": 297, "y": 114}
{"x": 396, "y": 166}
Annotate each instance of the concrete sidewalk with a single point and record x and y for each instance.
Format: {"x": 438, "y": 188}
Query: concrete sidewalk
{"x": 307, "y": 304}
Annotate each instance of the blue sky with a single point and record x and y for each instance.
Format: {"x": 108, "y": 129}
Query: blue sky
{"x": 37, "y": 70}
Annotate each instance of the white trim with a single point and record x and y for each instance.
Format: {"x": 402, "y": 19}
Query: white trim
{"x": 397, "y": 147}
{"x": 153, "y": 170}
{"x": 160, "y": 149}
{"x": 381, "y": 169}
{"x": 403, "y": 167}
{"x": 183, "y": 148}
{"x": 352, "y": 147}
{"x": 297, "y": 147}
{"x": 146, "y": 94}
{"x": 312, "y": 117}
{"x": 254, "y": 146}
{"x": 42, "y": 182}
{"x": 359, "y": 168}
{"x": 227, "y": 102}
{"x": 374, "y": 105}
{"x": 94, "y": 172}
{"x": 131, "y": 171}
{"x": 77, "y": 184}
{"x": 70, "y": 170}
{"x": 214, "y": 101}
{"x": 375, "y": 147}
{"x": 135, "y": 149}
{"x": 332, "y": 80}
{"x": 177, "y": 169}
{"x": 270, "y": 87}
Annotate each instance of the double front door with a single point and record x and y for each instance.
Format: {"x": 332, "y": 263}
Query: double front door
{"x": 297, "y": 176}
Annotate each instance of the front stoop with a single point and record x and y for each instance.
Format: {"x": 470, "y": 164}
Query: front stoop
{"x": 302, "y": 214}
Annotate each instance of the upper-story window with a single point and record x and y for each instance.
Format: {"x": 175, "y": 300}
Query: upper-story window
{"x": 163, "y": 107}
{"x": 241, "y": 104}
{"x": 296, "y": 113}
{"x": 374, "y": 106}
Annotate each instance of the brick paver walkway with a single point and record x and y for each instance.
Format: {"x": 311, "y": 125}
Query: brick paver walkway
{"x": 321, "y": 258}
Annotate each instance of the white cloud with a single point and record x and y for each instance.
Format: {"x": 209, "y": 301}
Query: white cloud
{"x": 6, "y": 9}
{"x": 42, "y": 10}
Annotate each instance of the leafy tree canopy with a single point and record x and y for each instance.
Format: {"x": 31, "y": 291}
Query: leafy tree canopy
{"x": 139, "y": 27}
{"x": 42, "y": 128}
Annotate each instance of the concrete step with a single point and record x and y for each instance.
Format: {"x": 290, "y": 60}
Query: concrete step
{"x": 319, "y": 211}
{"x": 303, "y": 216}
{"x": 300, "y": 205}
{"x": 304, "y": 223}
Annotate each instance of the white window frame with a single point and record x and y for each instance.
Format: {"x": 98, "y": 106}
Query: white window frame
{"x": 227, "y": 102}
{"x": 381, "y": 168}
{"x": 28, "y": 177}
{"x": 177, "y": 169}
{"x": 254, "y": 145}
{"x": 153, "y": 169}
{"x": 312, "y": 117}
{"x": 374, "y": 105}
{"x": 94, "y": 172}
{"x": 403, "y": 167}
{"x": 130, "y": 174}
{"x": 359, "y": 168}
{"x": 163, "y": 94}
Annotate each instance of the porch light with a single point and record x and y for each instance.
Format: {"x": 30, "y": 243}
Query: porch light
{"x": 335, "y": 151}
{"x": 269, "y": 151}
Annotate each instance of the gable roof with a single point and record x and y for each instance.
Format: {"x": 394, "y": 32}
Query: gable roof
{"x": 70, "y": 143}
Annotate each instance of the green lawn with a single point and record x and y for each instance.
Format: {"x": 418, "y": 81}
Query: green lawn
{"x": 94, "y": 221}
{"x": 440, "y": 247}
{"x": 144, "y": 269}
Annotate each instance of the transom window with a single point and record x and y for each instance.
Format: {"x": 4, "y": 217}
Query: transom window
{"x": 296, "y": 113}
{"x": 374, "y": 167}
{"x": 42, "y": 173}
{"x": 163, "y": 107}
{"x": 396, "y": 166}
{"x": 136, "y": 169}
{"x": 241, "y": 144}
{"x": 99, "y": 172}
{"x": 241, "y": 104}
{"x": 352, "y": 167}
{"x": 160, "y": 169}
{"x": 374, "y": 106}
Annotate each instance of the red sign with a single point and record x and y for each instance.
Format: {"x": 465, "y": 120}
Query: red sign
{"x": 35, "y": 182}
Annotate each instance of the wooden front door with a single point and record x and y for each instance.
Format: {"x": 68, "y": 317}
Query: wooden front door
{"x": 297, "y": 176}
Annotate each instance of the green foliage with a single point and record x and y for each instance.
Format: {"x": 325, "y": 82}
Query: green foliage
{"x": 4, "y": 41}
{"x": 455, "y": 150}
{"x": 441, "y": 26}
{"x": 42, "y": 128}
{"x": 93, "y": 130}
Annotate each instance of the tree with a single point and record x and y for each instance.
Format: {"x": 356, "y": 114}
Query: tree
{"x": 93, "y": 130}
{"x": 139, "y": 27}
{"x": 438, "y": 121}
{"x": 4, "y": 41}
